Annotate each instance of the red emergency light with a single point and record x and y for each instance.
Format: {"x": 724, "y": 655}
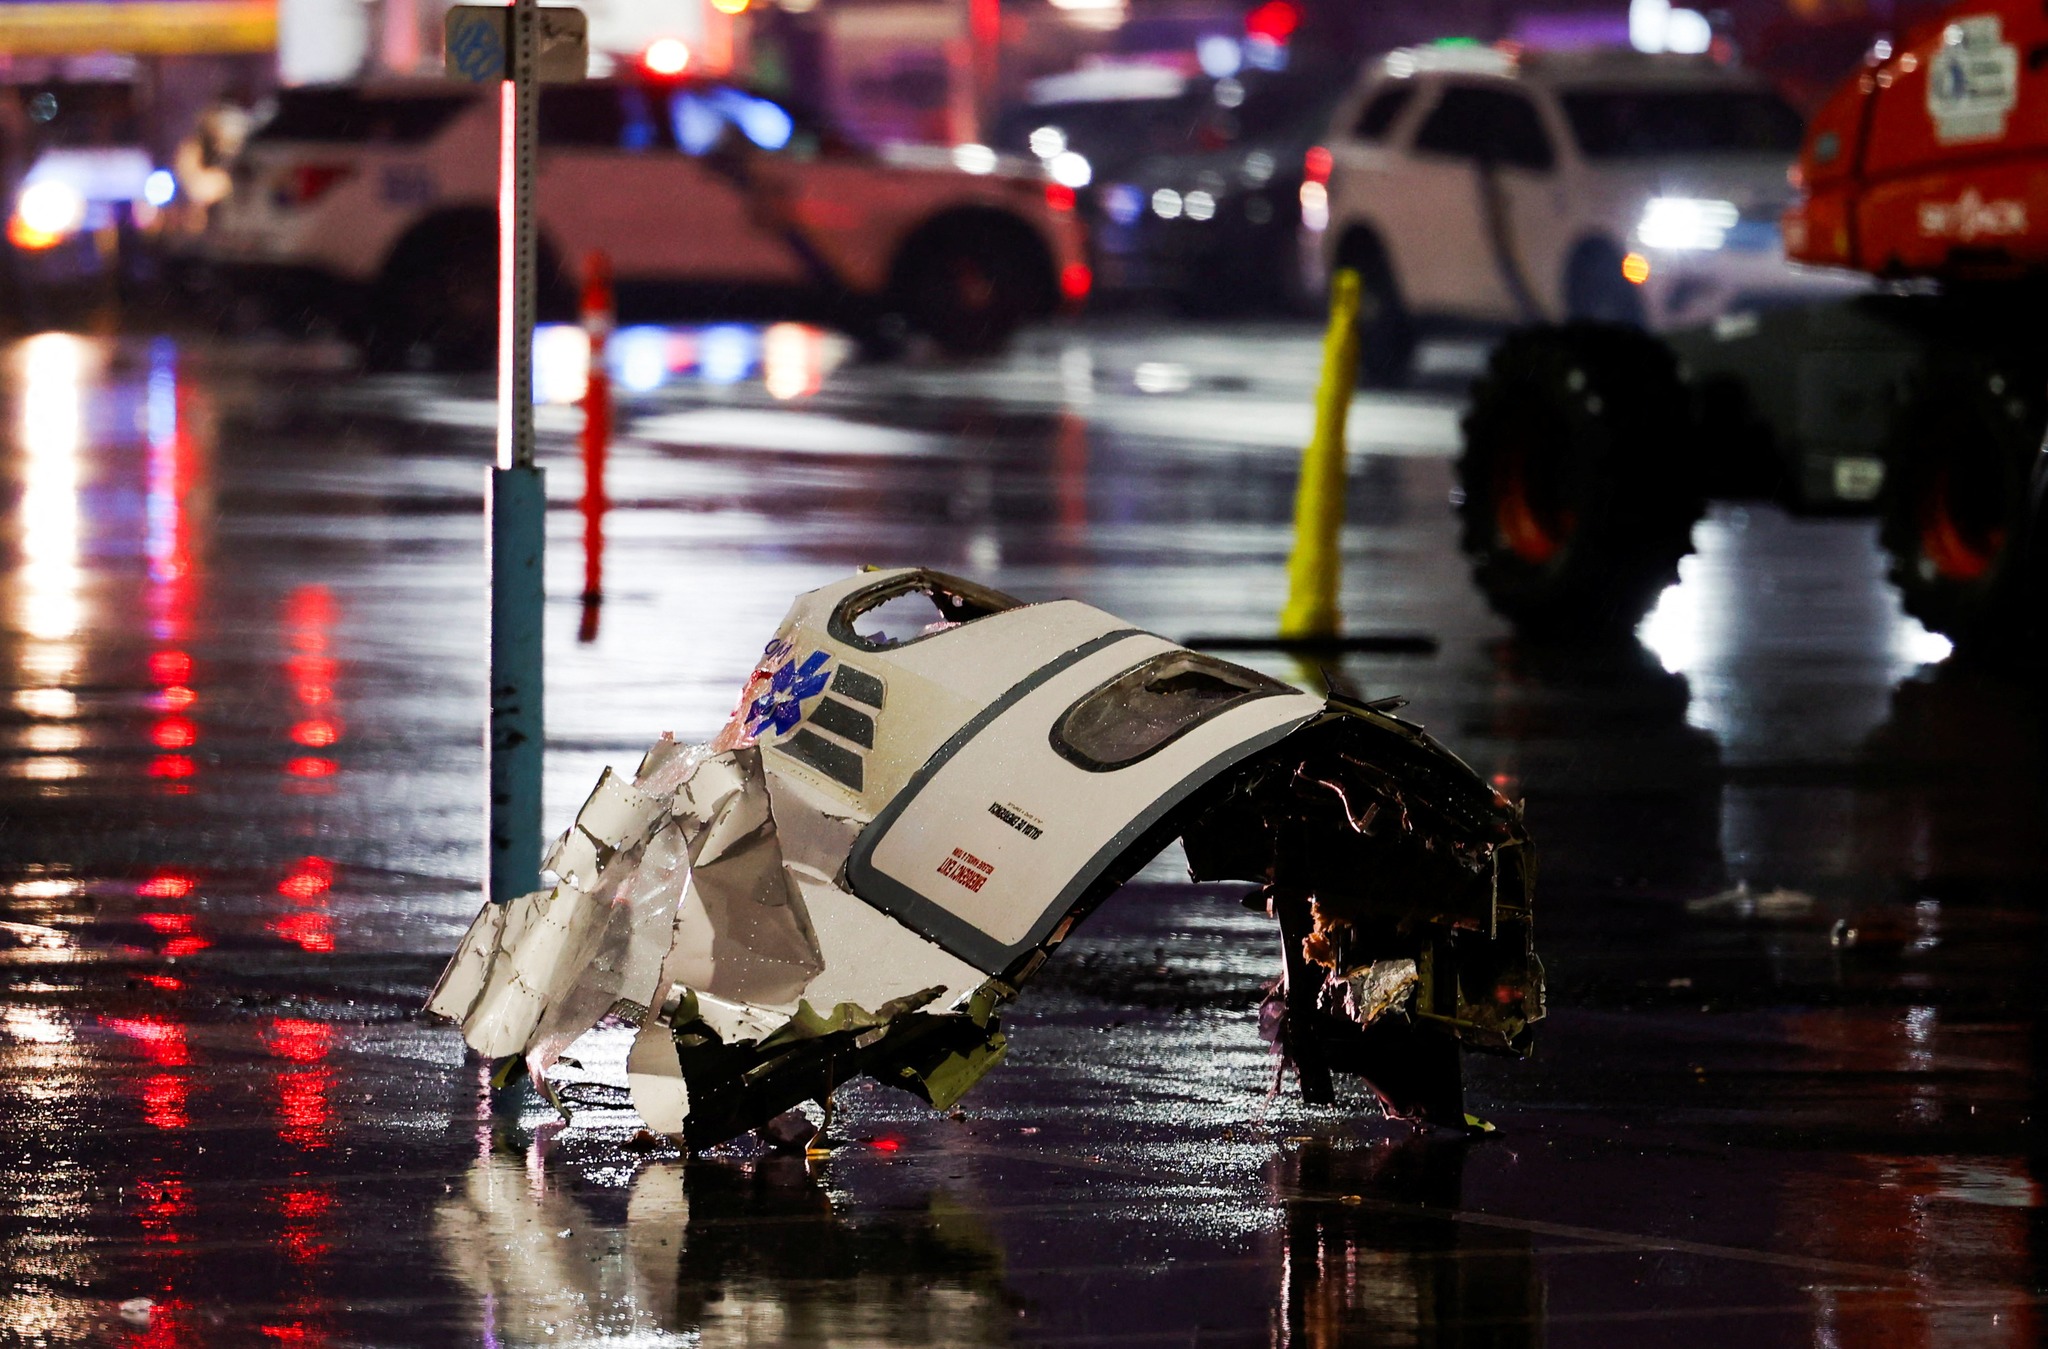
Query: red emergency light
{"x": 1275, "y": 21}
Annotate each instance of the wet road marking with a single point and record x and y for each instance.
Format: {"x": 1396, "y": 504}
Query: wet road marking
{"x": 1533, "y": 1226}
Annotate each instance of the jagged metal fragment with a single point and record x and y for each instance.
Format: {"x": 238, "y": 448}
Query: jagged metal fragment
{"x": 902, "y": 820}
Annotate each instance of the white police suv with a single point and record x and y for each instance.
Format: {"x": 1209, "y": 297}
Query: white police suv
{"x": 1481, "y": 187}
{"x": 375, "y": 207}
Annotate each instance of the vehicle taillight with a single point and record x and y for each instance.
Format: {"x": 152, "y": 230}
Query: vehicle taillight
{"x": 1316, "y": 164}
{"x": 307, "y": 183}
{"x": 1059, "y": 196}
{"x": 1076, "y": 280}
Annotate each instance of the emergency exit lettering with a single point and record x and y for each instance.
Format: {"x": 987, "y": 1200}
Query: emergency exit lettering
{"x": 966, "y": 869}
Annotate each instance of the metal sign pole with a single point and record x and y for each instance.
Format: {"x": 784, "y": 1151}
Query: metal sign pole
{"x": 517, "y": 496}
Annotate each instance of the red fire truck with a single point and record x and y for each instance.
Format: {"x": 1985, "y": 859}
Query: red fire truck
{"x": 1591, "y": 450}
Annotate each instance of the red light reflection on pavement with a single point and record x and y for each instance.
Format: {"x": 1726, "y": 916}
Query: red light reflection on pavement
{"x": 168, "y": 923}
{"x": 163, "y": 1101}
{"x": 306, "y": 884}
{"x": 298, "y": 1040}
{"x": 312, "y": 679}
{"x": 304, "y": 1234}
{"x": 307, "y": 931}
{"x": 306, "y": 1203}
{"x": 174, "y": 733}
{"x": 164, "y": 1200}
{"x": 313, "y": 876}
{"x": 295, "y": 1333}
{"x": 312, "y": 676}
{"x": 302, "y": 1107}
{"x": 317, "y": 732}
{"x": 310, "y": 614}
{"x": 167, "y": 885}
{"x": 171, "y": 1326}
{"x": 162, "y": 1041}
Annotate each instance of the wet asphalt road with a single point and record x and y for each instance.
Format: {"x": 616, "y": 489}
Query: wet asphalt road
{"x": 1791, "y": 893}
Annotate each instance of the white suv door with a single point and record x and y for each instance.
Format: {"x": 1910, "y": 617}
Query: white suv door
{"x": 612, "y": 178}
{"x": 1474, "y": 214}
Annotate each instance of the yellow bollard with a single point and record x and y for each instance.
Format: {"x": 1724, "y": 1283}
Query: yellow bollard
{"x": 1315, "y": 568}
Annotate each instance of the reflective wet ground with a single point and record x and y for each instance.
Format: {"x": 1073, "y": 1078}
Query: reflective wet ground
{"x": 1791, "y": 891}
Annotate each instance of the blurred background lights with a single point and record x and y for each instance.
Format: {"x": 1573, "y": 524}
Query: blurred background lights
{"x": 764, "y": 123}
{"x": 972, "y": 158}
{"x": 726, "y": 353}
{"x": 639, "y": 358}
{"x": 666, "y": 56}
{"x": 1656, "y": 26}
{"x": 1070, "y": 169}
{"x": 1219, "y": 56}
{"x": 45, "y": 214}
{"x": 561, "y": 363}
{"x": 52, "y": 428}
{"x": 1123, "y": 203}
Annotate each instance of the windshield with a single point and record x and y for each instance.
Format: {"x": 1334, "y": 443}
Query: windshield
{"x": 1210, "y": 116}
{"x": 1112, "y": 130}
{"x": 1631, "y": 123}
{"x": 338, "y": 114}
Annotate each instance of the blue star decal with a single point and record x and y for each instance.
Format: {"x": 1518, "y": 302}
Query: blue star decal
{"x": 782, "y": 706}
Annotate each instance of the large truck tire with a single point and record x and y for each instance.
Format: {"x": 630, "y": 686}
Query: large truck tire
{"x": 436, "y": 304}
{"x": 970, "y": 281}
{"x": 1580, "y": 479}
{"x": 1954, "y": 512}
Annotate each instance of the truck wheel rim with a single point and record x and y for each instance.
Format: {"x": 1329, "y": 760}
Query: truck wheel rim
{"x": 973, "y": 287}
{"x": 1959, "y": 547}
{"x": 1534, "y": 531}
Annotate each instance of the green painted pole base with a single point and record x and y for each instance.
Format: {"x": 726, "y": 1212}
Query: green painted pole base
{"x": 518, "y": 527}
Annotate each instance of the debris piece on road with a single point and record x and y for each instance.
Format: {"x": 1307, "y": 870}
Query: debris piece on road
{"x": 1774, "y": 905}
{"x": 925, "y": 787}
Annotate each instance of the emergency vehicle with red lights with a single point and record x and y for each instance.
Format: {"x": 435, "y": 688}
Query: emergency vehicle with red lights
{"x": 1591, "y": 450}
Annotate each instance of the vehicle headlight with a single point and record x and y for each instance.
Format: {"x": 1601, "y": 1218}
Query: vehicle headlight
{"x": 1257, "y": 169}
{"x": 1166, "y": 204}
{"x": 1070, "y": 168}
{"x": 1686, "y": 223}
{"x": 1199, "y": 205}
{"x": 50, "y": 208}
